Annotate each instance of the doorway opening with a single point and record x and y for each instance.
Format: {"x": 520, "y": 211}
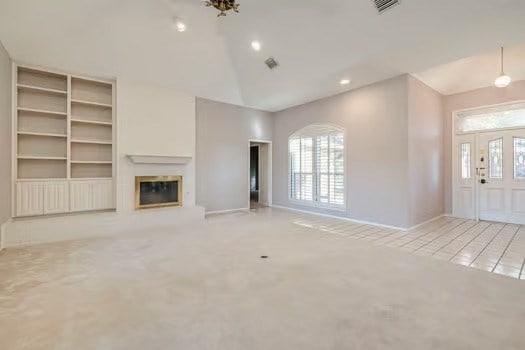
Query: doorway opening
{"x": 488, "y": 167}
{"x": 254, "y": 174}
{"x": 259, "y": 180}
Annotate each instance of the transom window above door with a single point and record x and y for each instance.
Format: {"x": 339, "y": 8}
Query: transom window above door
{"x": 492, "y": 118}
{"x": 317, "y": 166}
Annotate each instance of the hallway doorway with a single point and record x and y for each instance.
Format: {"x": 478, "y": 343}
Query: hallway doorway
{"x": 260, "y": 167}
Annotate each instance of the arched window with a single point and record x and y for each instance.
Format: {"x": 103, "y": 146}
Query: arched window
{"x": 317, "y": 166}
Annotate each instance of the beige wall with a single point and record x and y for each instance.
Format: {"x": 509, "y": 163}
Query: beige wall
{"x": 471, "y": 99}
{"x": 223, "y": 134}
{"x": 424, "y": 151}
{"x": 376, "y": 123}
{"x": 5, "y": 135}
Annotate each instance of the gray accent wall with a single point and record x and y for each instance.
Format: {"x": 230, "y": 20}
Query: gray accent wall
{"x": 5, "y": 135}
{"x": 222, "y": 152}
{"x": 375, "y": 118}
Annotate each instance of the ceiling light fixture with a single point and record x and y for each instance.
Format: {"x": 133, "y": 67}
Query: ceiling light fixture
{"x": 503, "y": 80}
{"x": 223, "y": 6}
{"x": 180, "y": 25}
{"x": 256, "y": 45}
{"x": 344, "y": 81}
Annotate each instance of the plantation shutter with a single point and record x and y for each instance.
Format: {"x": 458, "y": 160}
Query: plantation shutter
{"x": 316, "y": 155}
{"x": 330, "y": 169}
{"x": 301, "y": 161}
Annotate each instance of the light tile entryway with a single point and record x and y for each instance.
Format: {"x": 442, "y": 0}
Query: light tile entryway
{"x": 493, "y": 247}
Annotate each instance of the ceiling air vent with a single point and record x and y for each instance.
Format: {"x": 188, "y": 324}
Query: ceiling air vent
{"x": 271, "y": 63}
{"x": 383, "y": 5}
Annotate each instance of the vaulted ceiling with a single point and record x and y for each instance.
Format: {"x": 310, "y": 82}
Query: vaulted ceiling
{"x": 475, "y": 71}
{"x": 316, "y": 42}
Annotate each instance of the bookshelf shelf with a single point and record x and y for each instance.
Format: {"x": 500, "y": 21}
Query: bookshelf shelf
{"x": 30, "y": 133}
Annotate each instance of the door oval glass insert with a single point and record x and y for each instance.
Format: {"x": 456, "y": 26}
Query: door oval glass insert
{"x": 496, "y": 159}
{"x": 519, "y": 158}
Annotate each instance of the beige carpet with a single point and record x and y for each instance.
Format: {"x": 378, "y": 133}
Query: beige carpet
{"x": 206, "y": 287}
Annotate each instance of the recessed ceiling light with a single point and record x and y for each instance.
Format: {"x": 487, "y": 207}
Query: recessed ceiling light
{"x": 256, "y": 45}
{"x": 344, "y": 81}
{"x": 180, "y": 25}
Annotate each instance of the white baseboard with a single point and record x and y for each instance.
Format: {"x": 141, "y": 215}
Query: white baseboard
{"x": 342, "y": 218}
{"x": 226, "y": 211}
{"x": 38, "y": 230}
{"x": 3, "y": 228}
{"x": 426, "y": 222}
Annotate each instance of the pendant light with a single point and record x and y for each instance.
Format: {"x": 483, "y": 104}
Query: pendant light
{"x": 503, "y": 80}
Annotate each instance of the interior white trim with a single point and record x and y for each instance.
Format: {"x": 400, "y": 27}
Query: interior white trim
{"x": 426, "y": 222}
{"x": 157, "y": 159}
{"x": 3, "y": 228}
{"x": 343, "y": 218}
{"x": 226, "y": 211}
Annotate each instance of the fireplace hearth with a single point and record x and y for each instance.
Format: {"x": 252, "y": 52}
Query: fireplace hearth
{"x": 158, "y": 191}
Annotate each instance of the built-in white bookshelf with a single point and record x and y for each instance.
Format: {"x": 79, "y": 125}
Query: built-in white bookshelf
{"x": 64, "y": 126}
{"x": 63, "y": 131}
{"x": 91, "y": 128}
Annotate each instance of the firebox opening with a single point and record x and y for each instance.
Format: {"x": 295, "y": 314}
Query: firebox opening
{"x": 158, "y": 191}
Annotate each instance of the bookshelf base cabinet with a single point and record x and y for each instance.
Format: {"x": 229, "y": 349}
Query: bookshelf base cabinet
{"x": 29, "y": 198}
{"x": 56, "y": 197}
{"x": 35, "y": 198}
{"x": 91, "y": 195}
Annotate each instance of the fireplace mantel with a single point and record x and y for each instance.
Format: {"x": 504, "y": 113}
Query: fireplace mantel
{"x": 156, "y": 159}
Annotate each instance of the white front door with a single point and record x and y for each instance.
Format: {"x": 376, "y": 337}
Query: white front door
{"x": 500, "y": 163}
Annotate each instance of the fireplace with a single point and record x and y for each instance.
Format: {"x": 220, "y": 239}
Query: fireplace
{"x": 158, "y": 191}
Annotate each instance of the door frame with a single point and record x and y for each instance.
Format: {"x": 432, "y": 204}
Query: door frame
{"x": 453, "y": 154}
{"x": 269, "y": 170}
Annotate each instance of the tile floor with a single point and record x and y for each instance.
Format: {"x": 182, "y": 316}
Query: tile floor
{"x": 489, "y": 246}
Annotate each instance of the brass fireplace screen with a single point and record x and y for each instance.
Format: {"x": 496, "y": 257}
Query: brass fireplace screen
{"x": 158, "y": 191}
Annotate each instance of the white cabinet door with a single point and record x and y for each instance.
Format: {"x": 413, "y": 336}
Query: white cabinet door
{"x": 102, "y": 193}
{"x": 80, "y": 196}
{"x": 88, "y": 195}
{"x": 29, "y": 198}
{"x": 56, "y": 197}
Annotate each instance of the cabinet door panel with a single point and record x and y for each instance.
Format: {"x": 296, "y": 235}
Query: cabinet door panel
{"x": 91, "y": 195}
{"x": 56, "y": 197}
{"x": 81, "y": 198}
{"x": 29, "y": 199}
{"x": 102, "y": 192}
